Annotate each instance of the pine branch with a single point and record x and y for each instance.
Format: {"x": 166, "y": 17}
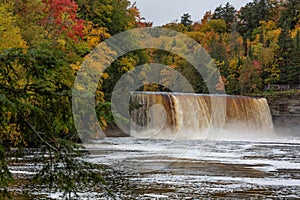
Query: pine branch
{"x": 38, "y": 134}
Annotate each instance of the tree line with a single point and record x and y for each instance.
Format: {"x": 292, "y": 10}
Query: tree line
{"x": 253, "y": 47}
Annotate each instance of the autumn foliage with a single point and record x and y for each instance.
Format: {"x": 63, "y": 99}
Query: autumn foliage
{"x": 61, "y": 18}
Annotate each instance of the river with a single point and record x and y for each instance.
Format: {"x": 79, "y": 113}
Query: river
{"x": 195, "y": 169}
{"x": 185, "y": 169}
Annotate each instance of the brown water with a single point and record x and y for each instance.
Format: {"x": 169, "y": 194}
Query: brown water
{"x": 157, "y": 114}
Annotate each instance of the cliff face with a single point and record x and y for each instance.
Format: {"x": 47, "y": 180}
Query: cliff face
{"x": 285, "y": 110}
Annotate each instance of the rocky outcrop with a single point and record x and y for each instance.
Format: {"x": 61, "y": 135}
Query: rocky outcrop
{"x": 285, "y": 109}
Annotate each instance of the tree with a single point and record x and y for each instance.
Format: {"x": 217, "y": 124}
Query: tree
{"x": 94, "y": 34}
{"x": 139, "y": 20}
{"x": 61, "y": 19}
{"x": 218, "y": 49}
{"x": 290, "y": 15}
{"x": 176, "y": 27}
{"x": 122, "y": 18}
{"x": 186, "y": 19}
{"x": 250, "y": 15}
{"x": 115, "y": 15}
{"x": 249, "y": 18}
{"x": 10, "y": 34}
{"x": 35, "y": 89}
{"x": 35, "y": 107}
{"x": 232, "y": 79}
{"x": 226, "y": 13}
{"x": 206, "y": 18}
{"x": 250, "y": 77}
{"x": 294, "y": 69}
{"x": 264, "y": 49}
{"x": 216, "y": 25}
{"x": 29, "y": 15}
{"x": 284, "y": 55}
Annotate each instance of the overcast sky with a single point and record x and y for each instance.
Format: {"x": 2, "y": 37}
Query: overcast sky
{"x": 164, "y": 11}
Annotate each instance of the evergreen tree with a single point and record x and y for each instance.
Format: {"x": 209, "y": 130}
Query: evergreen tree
{"x": 294, "y": 70}
{"x": 250, "y": 16}
{"x": 226, "y": 13}
{"x": 186, "y": 19}
{"x": 218, "y": 49}
{"x": 285, "y": 43}
{"x": 290, "y": 15}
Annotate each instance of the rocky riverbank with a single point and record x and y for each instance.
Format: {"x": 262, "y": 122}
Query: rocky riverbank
{"x": 285, "y": 110}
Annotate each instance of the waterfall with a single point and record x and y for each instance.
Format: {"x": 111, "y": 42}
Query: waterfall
{"x": 199, "y": 116}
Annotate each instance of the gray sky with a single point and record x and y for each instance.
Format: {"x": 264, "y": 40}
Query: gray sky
{"x": 165, "y": 11}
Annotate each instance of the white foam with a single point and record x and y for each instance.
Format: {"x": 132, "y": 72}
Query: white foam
{"x": 234, "y": 181}
{"x": 155, "y": 196}
{"x": 22, "y": 172}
